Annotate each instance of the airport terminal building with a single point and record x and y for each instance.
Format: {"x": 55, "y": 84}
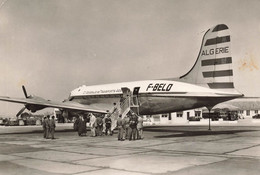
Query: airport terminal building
{"x": 245, "y": 108}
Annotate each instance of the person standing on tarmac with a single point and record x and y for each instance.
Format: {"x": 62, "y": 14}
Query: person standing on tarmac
{"x": 120, "y": 128}
{"x": 76, "y": 124}
{"x": 44, "y": 127}
{"x": 52, "y": 127}
{"x": 126, "y": 124}
{"x": 108, "y": 122}
{"x": 133, "y": 125}
{"x": 92, "y": 123}
{"x": 104, "y": 124}
{"x": 47, "y": 126}
{"x": 82, "y": 128}
{"x": 99, "y": 122}
{"x": 140, "y": 127}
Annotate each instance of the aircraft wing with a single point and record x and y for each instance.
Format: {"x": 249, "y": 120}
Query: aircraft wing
{"x": 41, "y": 103}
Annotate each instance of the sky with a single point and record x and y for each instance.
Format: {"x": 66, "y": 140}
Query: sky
{"x": 54, "y": 46}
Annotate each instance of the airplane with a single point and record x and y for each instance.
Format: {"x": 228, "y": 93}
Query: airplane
{"x": 209, "y": 82}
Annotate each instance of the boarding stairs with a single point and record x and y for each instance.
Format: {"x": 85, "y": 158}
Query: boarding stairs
{"x": 130, "y": 102}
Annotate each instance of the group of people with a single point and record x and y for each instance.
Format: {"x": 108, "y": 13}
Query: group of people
{"x": 80, "y": 126}
{"x": 48, "y": 127}
{"x": 130, "y": 127}
{"x": 98, "y": 125}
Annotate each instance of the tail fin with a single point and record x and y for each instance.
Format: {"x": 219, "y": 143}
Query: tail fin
{"x": 213, "y": 67}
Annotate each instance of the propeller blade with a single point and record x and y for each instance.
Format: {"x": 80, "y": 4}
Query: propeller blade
{"x": 20, "y": 112}
{"x": 24, "y": 91}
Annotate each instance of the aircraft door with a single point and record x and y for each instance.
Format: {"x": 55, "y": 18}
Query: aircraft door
{"x": 136, "y": 91}
{"x": 135, "y": 96}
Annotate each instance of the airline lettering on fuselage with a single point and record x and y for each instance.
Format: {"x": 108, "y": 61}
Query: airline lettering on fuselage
{"x": 215, "y": 51}
{"x": 159, "y": 87}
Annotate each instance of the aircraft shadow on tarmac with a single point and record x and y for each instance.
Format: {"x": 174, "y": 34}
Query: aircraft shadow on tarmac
{"x": 34, "y": 132}
{"x": 177, "y": 132}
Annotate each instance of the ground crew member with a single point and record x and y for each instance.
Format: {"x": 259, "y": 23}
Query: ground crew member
{"x": 52, "y": 127}
{"x": 108, "y": 122}
{"x": 140, "y": 127}
{"x": 47, "y": 126}
{"x": 76, "y": 124}
{"x": 44, "y": 127}
{"x": 120, "y": 127}
{"x": 99, "y": 125}
{"x": 126, "y": 123}
{"x": 104, "y": 124}
{"x": 92, "y": 123}
{"x": 133, "y": 125}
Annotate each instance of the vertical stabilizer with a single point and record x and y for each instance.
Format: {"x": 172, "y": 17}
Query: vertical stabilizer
{"x": 213, "y": 67}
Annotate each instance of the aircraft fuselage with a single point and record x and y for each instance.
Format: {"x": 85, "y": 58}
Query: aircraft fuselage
{"x": 154, "y": 96}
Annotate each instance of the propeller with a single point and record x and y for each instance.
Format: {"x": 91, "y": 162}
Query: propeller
{"x": 20, "y": 112}
{"x": 24, "y": 91}
{"x": 31, "y": 107}
{"x": 26, "y": 96}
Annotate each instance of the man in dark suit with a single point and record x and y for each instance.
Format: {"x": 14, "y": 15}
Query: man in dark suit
{"x": 133, "y": 125}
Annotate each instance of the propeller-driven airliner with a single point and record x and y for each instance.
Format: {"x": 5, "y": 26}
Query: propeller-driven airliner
{"x": 209, "y": 82}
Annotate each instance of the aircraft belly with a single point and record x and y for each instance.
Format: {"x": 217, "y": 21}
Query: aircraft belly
{"x": 150, "y": 105}
{"x": 157, "y": 105}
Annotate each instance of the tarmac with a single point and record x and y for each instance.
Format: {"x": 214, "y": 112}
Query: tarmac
{"x": 227, "y": 149}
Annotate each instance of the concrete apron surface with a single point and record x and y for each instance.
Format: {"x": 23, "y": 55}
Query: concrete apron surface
{"x": 164, "y": 150}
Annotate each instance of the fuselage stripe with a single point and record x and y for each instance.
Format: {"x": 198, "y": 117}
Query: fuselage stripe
{"x": 119, "y": 95}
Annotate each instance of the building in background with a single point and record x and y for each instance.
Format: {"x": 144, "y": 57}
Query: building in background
{"x": 248, "y": 106}
{"x": 240, "y": 108}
